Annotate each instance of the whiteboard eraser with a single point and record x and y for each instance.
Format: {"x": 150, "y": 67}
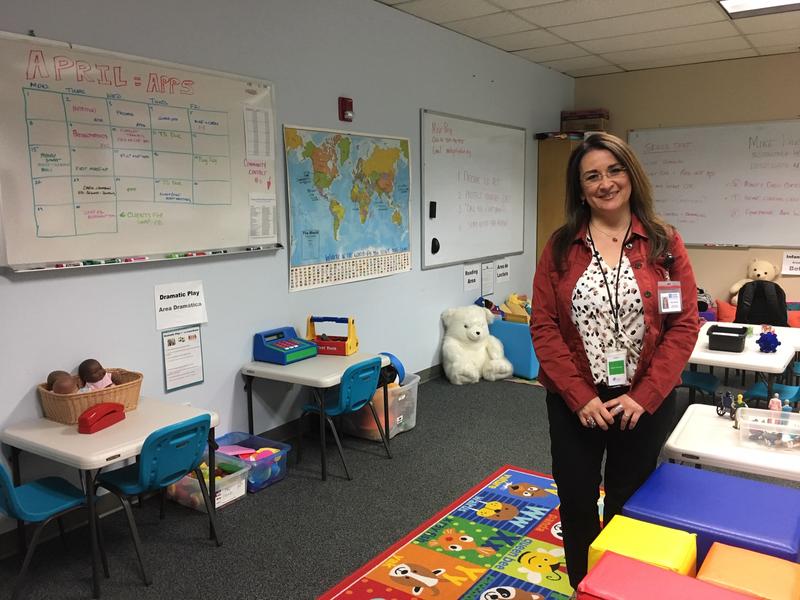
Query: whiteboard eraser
{"x": 432, "y": 210}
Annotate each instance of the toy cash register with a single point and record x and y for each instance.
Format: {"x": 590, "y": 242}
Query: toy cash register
{"x": 281, "y": 346}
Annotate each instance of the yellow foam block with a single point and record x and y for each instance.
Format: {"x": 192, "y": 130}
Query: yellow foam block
{"x": 751, "y": 572}
{"x": 661, "y": 546}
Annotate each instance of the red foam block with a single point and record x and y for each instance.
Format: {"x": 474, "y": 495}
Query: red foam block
{"x": 617, "y": 577}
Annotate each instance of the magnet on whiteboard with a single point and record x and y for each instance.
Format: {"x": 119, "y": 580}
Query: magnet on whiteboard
{"x": 434, "y": 246}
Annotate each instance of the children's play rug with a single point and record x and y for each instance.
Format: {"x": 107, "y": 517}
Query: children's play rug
{"x": 500, "y": 540}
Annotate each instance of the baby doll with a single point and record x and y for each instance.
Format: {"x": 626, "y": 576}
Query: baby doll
{"x": 94, "y": 376}
{"x": 53, "y": 375}
{"x": 65, "y": 384}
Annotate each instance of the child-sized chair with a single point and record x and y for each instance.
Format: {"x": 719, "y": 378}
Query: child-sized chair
{"x": 38, "y": 502}
{"x": 705, "y": 383}
{"x": 168, "y": 454}
{"x": 357, "y": 386}
{"x": 758, "y": 391}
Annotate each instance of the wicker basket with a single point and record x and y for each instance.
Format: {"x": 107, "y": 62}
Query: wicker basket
{"x": 66, "y": 408}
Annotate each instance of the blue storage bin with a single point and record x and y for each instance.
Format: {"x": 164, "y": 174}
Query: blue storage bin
{"x": 265, "y": 471}
{"x": 518, "y": 347}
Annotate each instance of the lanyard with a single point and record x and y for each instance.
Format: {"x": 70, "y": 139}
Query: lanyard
{"x": 615, "y": 302}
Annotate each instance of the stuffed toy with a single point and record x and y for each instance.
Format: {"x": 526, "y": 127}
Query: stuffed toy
{"x": 758, "y": 269}
{"x": 469, "y": 352}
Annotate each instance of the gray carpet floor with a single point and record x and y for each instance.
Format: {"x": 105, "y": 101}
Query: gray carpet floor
{"x": 295, "y": 539}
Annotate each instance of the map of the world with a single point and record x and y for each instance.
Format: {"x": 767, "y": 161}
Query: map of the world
{"x": 348, "y": 206}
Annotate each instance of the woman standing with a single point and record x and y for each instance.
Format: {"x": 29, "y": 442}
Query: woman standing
{"x": 614, "y": 322}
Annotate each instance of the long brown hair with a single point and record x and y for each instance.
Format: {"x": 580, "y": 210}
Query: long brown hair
{"x": 641, "y": 202}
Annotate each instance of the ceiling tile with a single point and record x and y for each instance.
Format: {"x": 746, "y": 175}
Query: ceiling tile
{"x": 593, "y": 71}
{"x": 686, "y": 60}
{"x": 580, "y": 62}
{"x": 677, "y": 50}
{"x": 679, "y": 35}
{"x": 524, "y": 39}
{"x": 514, "y": 4}
{"x": 552, "y": 52}
{"x": 579, "y": 11}
{"x": 776, "y": 38}
{"x": 489, "y": 25}
{"x": 652, "y": 21}
{"x": 441, "y": 11}
{"x": 783, "y": 49}
{"x": 789, "y": 20}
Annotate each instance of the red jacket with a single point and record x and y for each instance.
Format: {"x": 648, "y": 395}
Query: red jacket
{"x": 668, "y": 341}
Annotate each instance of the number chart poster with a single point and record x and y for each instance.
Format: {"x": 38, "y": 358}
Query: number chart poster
{"x": 111, "y": 156}
{"x": 348, "y": 206}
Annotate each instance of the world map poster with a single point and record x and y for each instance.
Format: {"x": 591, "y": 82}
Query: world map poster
{"x": 348, "y": 206}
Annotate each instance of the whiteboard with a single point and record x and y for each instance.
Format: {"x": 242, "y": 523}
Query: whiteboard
{"x": 109, "y": 158}
{"x": 726, "y": 184}
{"x": 473, "y": 189}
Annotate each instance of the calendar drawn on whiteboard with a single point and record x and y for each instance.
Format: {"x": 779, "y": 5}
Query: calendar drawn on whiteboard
{"x": 107, "y": 155}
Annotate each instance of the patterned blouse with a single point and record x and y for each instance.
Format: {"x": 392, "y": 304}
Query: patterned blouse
{"x": 592, "y": 316}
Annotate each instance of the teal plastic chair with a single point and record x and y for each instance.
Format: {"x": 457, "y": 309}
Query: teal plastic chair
{"x": 705, "y": 383}
{"x": 38, "y": 502}
{"x": 358, "y": 384}
{"x": 758, "y": 391}
{"x": 168, "y": 454}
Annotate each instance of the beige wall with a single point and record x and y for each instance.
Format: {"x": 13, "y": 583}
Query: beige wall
{"x": 752, "y": 89}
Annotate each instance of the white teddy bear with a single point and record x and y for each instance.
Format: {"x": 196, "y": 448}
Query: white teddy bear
{"x": 469, "y": 352}
{"x": 758, "y": 269}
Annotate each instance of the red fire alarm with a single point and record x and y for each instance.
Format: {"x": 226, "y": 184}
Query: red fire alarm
{"x": 345, "y": 109}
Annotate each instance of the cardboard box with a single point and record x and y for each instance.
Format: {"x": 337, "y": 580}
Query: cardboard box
{"x": 594, "y": 124}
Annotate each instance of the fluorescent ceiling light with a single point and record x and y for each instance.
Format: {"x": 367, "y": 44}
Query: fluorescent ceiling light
{"x": 753, "y": 8}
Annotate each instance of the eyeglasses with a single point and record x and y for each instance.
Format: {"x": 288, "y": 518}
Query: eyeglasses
{"x": 595, "y": 177}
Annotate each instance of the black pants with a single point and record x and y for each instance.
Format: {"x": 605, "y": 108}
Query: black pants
{"x": 577, "y": 453}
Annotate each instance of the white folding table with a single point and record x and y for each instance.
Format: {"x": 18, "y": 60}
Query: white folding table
{"x": 319, "y": 373}
{"x": 751, "y": 358}
{"x": 91, "y": 452}
{"x": 704, "y": 438}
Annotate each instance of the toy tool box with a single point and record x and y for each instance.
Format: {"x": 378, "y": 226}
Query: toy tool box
{"x": 333, "y": 344}
{"x": 281, "y": 346}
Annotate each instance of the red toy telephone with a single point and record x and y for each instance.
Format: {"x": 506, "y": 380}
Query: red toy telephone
{"x": 100, "y": 416}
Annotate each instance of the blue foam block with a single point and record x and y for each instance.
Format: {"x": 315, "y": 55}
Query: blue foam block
{"x": 516, "y": 338}
{"x": 758, "y": 516}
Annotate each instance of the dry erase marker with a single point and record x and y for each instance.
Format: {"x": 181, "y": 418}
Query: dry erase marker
{"x": 253, "y": 248}
{"x": 135, "y": 258}
{"x": 219, "y": 252}
{"x": 172, "y": 255}
{"x": 88, "y": 263}
{"x": 111, "y": 261}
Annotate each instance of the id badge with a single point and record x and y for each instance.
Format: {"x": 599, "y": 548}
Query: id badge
{"x": 669, "y": 297}
{"x": 615, "y": 368}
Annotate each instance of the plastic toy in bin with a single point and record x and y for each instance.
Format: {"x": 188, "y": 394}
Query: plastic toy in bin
{"x": 266, "y": 458}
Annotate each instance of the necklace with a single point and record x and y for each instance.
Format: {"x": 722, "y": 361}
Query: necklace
{"x": 613, "y": 235}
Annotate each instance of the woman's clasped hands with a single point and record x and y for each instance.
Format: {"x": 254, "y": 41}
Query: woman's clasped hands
{"x": 597, "y": 413}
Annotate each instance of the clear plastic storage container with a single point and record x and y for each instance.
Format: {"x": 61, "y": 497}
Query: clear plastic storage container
{"x": 230, "y": 485}
{"x": 264, "y": 471}
{"x": 402, "y": 411}
{"x": 776, "y": 430}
